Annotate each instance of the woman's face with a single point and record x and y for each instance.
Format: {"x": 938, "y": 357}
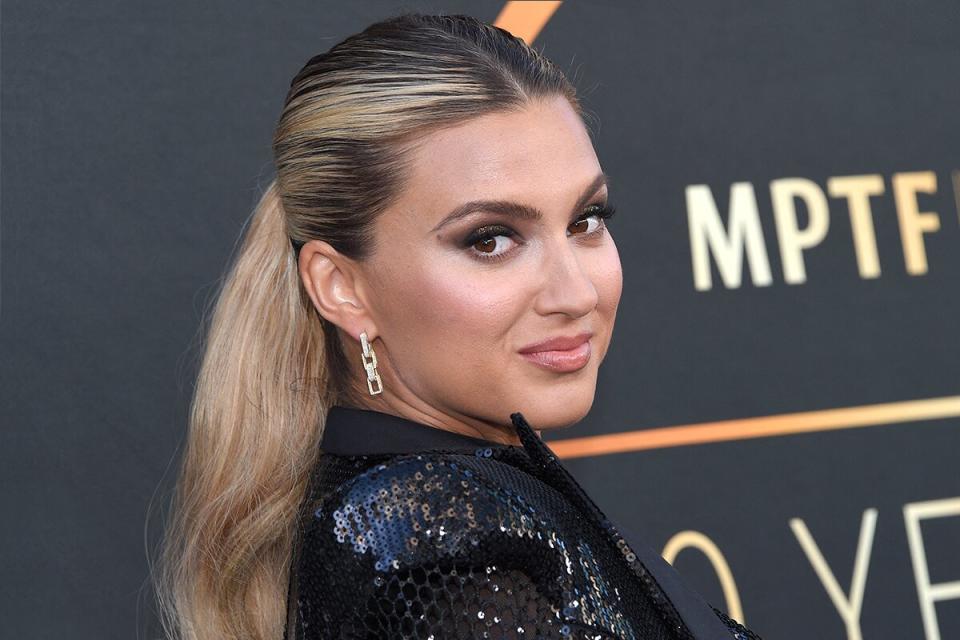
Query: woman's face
{"x": 454, "y": 301}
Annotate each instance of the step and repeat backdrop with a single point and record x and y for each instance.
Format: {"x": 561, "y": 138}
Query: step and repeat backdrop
{"x": 780, "y": 409}
{"x": 778, "y": 414}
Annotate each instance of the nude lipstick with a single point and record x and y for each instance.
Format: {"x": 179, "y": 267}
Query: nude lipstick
{"x": 562, "y": 354}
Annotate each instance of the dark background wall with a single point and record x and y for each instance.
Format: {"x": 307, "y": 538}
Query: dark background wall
{"x": 135, "y": 141}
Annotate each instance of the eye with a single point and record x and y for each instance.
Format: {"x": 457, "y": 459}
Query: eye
{"x": 495, "y": 242}
{"x": 599, "y": 212}
{"x": 490, "y": 243}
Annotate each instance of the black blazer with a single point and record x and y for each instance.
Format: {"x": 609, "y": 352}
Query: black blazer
{"x": 411, "y": 531}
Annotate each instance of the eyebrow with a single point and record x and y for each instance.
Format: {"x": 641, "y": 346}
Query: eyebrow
{"x": 517, "y": 209}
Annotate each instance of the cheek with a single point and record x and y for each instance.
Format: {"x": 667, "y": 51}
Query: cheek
{"x": 456, "y": 314}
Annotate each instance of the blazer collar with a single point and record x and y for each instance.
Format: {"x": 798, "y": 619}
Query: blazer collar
{"x": 351, "y": 431}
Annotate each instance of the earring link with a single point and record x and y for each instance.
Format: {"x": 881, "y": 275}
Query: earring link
{"x": 370, "y": 365}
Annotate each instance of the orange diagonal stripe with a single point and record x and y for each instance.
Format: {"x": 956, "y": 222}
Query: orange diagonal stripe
{"x": 759, "y": 427}
{"x": 526, "y": 19}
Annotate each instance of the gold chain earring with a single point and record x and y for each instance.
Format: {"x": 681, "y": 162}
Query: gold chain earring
{"x": 370, "y": 365}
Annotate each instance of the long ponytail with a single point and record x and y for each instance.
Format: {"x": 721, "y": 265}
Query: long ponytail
{"x": 255, "y": 423}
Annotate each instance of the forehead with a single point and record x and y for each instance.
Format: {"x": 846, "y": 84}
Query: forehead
{"x": 540, "y": 154}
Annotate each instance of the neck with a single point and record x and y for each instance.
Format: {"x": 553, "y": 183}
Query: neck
{"x": 464, "y": 425}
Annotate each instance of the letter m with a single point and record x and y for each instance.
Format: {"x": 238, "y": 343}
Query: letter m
{"x": 727, "y": 246}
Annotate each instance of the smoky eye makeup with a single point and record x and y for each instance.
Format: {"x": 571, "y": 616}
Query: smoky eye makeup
{"x": 603, "y": 210}
{"x": 488, "y": 233}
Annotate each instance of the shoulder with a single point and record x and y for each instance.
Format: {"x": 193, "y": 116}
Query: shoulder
{"x": 415, "y": 507}
{"x": 447, "y": 541}
{"x": 407, "y": 486}
{"x": 410, "y": 522}
{"x": 434, "y": 473}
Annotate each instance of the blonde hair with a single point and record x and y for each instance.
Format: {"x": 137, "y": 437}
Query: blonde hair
{"x": 272, "y": 365}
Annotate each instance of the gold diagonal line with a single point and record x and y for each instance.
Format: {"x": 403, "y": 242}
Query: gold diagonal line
{"x": 759, "y": 427}
{"x": 525, "y": 20}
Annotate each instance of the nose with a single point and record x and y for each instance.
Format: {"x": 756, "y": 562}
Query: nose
{"x": 567, "y": 288}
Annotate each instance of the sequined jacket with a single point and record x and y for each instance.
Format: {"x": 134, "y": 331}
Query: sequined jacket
{"x": 410, "y": 531}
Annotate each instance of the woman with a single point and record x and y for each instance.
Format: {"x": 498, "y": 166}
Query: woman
{"x": 430, "y": 270}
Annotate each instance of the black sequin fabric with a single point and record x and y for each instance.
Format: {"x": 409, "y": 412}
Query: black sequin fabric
{"x": 497, "y": 542}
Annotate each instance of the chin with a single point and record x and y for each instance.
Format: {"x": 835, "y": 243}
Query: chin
{"x": 557, "y": 405}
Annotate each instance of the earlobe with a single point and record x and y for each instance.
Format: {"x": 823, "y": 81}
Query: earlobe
{"x": 330, "y": 279}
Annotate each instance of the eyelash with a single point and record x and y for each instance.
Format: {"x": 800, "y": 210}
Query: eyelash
{"x": 602, "y": 211}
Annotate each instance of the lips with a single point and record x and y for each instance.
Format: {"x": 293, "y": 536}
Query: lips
{"x": 560, "y": 343}
{"x": 562, "y": 354}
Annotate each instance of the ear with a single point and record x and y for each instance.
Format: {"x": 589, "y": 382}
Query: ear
{"x": 334, "y": 283}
